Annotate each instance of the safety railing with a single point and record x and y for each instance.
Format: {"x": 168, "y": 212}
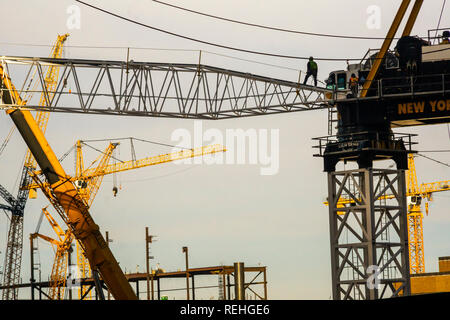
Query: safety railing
{"x": 359, "y": 139}
{"x": 390, "y": 61}
{"x": 401, "y": 86}
{"x": 435, "y": 35}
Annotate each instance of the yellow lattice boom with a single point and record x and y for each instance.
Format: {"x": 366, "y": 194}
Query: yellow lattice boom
{"x": 88, "y": 182}
{"x": 415, "y": 194}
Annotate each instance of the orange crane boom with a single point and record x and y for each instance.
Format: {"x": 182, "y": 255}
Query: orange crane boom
{"x": 66, "y": 195}
{"x": 88, "y": 183}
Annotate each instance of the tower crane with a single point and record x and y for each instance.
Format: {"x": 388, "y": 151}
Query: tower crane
{"x": 411, "y": 91}
{"x": 88, "y": 182}
{"x": 60, "y": 264}
{"x": 63, "y": 194}
{"x": 13, "y": 252}
{"x": 401, "y": 89}
{"x": 415, "y": 194}
{"x": 200, "y": 102}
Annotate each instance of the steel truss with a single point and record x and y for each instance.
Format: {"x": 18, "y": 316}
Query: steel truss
{"x": 369, "y": 238}
{"x": 159, "y": 89}
{"x": 14, "y": 248}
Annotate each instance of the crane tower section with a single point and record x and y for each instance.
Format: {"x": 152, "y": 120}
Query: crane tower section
{"x": 408, "y": 86}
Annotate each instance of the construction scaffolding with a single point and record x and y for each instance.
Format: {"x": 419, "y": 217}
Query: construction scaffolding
{"x": 256, "y": 287}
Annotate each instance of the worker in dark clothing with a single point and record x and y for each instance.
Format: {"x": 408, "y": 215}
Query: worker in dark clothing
{"x": 311, "y": 71}
{"x": 353, "y": 84}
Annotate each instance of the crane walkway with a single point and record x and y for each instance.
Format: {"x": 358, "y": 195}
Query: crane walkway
{"x": 194, "y": 91}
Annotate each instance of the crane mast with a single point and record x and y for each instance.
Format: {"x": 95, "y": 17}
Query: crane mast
{"x": 13, "y": 253}
{"x": 415, "y": 194}
{"x": 386, "y": 230}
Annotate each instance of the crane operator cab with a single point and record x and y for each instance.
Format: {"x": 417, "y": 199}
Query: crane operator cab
{"x": 413, "y": 201}
{"x": 339, "y": 82}
{"x": 81, "y": 186}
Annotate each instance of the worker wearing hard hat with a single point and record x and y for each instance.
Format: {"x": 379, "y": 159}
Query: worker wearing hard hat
{"x": 445, "y": 36}
{"x": 353, "y": 84}
{"x": 311, "y": 71}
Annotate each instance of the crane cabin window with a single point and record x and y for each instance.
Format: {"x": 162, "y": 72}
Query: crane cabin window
{"x": 342, "y": 81}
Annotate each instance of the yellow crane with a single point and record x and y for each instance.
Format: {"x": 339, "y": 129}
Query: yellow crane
{"x": 88, "y": 182}
{"x": 416, "y": 193}
{"x": 64, "y": 196}
{"x": 13, "y": 252}
{"x": 60, "y": 264}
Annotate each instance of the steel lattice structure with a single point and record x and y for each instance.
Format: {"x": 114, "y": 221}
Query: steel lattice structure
{"x": 14, "y": 247}
{"x": 369, "y": 239}
{"x": 160, "y": 90}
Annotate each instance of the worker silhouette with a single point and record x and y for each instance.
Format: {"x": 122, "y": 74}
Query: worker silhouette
{"x": 311, "y": 71}
{"x": 353, "y": 83}
{"x": 445, "y": 36}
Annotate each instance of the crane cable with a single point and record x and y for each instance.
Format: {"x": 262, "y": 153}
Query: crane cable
{"x": 211, "y": 43}
{"x": 5, "y": 142}
{"x": 437, "y": 161}
{"x": 439, "y": 21}
{"x": 272, "y": 28}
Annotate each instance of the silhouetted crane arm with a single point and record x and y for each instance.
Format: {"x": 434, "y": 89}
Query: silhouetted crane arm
{"x": 78, "y": 216}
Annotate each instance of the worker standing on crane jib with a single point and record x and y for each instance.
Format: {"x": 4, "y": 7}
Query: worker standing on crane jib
{"x": 311, "y": 71}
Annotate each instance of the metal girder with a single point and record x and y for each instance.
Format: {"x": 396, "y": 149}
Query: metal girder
{"x": 8, "y": 197}
{"x": 13, "y": 258}
{"x": 4, "y": 207}
{"x": 160, "y": 89}
{"x": 369, "y": 241}
{"x": 415, "y": 238}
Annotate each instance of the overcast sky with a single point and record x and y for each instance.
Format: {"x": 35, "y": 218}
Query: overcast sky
{"x": 223, "y": 213}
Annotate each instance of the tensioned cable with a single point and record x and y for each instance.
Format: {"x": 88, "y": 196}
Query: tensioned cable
{"x": 211, "y": 43}
{"x": 154, "y": 49}
{"x": 142, "y": 140}
{"x": 448, "y": 128}
{"x": 61, "y": 159}
{"x": 160, "y": 176}
{"x": 94, "y": 47}
{"x": 249, "y": 60}
{"x": 157, "y": 49}
{"x": 437, "y": 161}
{"x": 9, "y": 219}
{"x": 100, "y": 152}
{"x": 439, "y": 21}
{"x": 315, "y": 34}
